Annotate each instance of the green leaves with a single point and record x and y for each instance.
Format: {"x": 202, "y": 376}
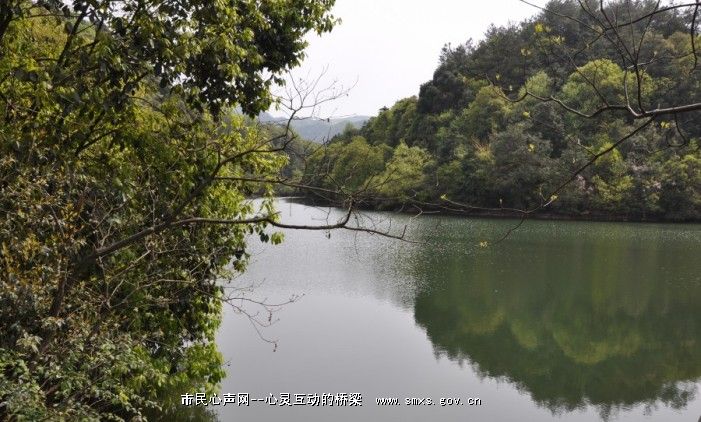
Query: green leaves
{"x": 111, "y": 126}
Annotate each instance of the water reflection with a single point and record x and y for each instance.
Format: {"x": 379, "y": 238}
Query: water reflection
{"x": 560, "y": 321}
{"x": 598, "y": 314}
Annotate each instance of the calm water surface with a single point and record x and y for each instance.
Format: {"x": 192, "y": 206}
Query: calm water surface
{"x": 565, "y": 321}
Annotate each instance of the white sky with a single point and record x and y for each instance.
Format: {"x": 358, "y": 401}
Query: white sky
{"x": 391, "y": 47}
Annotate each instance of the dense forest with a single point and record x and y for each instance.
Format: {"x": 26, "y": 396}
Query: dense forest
{"x": 472, "y": 141}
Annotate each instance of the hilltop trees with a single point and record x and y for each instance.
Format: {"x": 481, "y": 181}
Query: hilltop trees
{"x": 582, "y": 110}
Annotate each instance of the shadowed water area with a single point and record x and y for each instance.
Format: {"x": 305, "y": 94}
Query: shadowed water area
{"x": 566, "y": 321}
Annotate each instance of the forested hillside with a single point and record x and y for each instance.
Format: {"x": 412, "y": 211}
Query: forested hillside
{"x": 472, "y": 137}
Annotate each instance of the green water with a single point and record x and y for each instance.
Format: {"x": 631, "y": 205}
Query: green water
{"x": 567, "y": 321}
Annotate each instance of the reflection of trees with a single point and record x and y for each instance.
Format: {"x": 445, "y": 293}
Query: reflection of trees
{"x": 573, "y": 321}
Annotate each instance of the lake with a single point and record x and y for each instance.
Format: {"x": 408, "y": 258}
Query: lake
{"x": 561, "y": 321}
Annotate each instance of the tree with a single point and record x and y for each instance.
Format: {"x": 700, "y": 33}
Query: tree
{"x": 620, "y": 84}
{"x": 346, "y": 167}
{"x": 680, "y": 181}
{"x": 124, "y": 176}
{"x": 521, "y": 171}
{"x": 578, "y": 82}
{"x": 404, "y": 174}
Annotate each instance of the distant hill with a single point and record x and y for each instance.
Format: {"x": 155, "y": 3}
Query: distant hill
{"x": 317, "y": 130}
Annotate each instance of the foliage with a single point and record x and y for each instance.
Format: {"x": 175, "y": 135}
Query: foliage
{"x": 124, "y": 192}
{"x": 491, "y": 152}
{"x": 405, "y": 172}
{"x": 349, "y": 167}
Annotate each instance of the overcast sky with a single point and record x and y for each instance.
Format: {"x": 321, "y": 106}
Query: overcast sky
{"x": 388, "y": 48}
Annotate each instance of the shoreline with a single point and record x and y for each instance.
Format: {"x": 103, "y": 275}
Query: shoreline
{"x": 506, "y": 215}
